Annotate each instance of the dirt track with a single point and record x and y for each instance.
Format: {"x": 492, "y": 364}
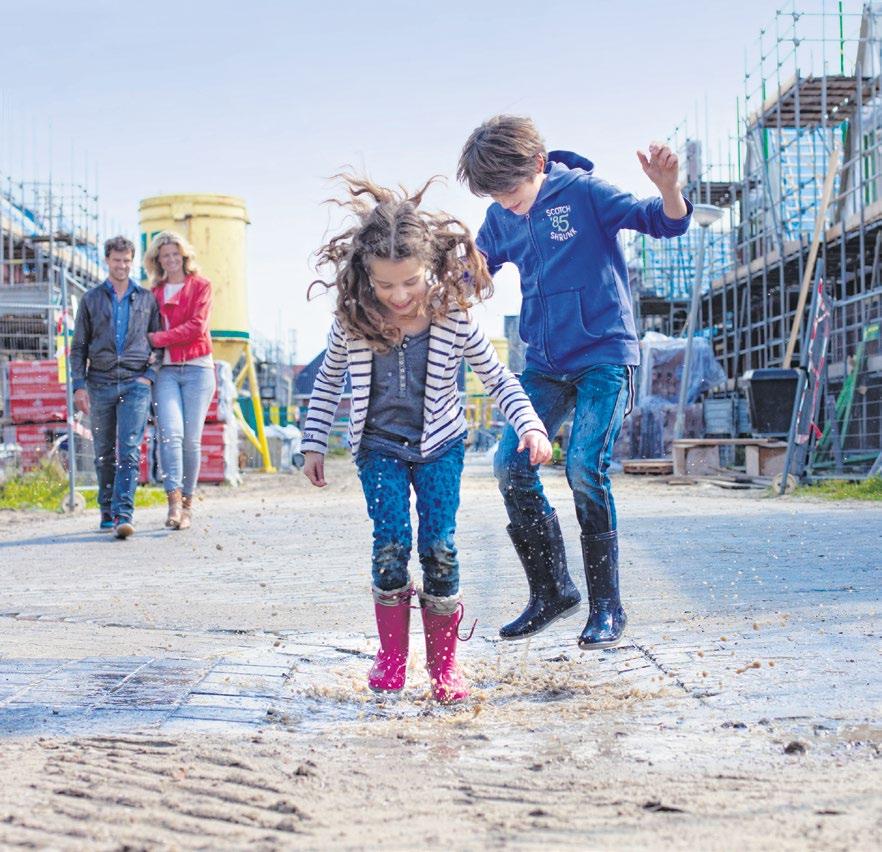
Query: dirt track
{"x": 207, "y": 692}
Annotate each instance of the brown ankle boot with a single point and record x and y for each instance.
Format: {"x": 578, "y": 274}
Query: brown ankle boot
{"x": 186, "y": 512}
{"x": 174, "y": 509}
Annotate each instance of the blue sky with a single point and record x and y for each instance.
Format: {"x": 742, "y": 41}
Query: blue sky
{"x": 265, "y": 100}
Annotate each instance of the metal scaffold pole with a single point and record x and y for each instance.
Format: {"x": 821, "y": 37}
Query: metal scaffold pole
{"x": 71, "y": 503}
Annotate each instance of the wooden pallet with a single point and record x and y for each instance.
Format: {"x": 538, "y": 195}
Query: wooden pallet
{"x": 649, "y": 467}
{"x": 701, "y": 456}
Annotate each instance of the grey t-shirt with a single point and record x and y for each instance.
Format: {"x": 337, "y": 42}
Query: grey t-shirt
{"x": 394, "y": 421}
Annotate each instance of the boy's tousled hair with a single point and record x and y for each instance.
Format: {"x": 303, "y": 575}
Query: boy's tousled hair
{"x": 500, "y": 154}
{"x": 391, "y": 226}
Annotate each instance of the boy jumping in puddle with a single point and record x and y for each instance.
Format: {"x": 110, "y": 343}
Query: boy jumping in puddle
{"x": 559, "y": 224}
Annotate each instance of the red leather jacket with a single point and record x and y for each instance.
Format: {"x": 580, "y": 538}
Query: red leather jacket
{"x": 187, "y": 314}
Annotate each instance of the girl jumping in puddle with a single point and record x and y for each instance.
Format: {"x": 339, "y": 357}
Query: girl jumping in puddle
{"x": 405, "y": 279}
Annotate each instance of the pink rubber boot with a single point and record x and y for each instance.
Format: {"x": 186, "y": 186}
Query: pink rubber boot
{"x": 392, "y": 610}
{"x": 441, "y": 618}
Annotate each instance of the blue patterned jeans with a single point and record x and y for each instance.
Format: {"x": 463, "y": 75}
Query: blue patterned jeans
{"x": 387, "y": 481}
{"x": 596, "y": 398}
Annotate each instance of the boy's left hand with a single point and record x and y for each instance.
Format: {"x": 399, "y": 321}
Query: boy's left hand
{"x": 662, "y": 167}
{"x": 538, "y": 444}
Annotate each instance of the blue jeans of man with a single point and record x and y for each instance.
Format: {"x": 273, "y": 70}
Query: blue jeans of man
{"x": 118, "y": 417}
{"x": 596, "y": 398}
{"x": 183, "y": 393}
{"x": 387, "y": 481}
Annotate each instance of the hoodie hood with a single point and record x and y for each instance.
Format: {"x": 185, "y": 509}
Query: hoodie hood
{"x": 571, "y": 160}
{"x": 562, "y": 168}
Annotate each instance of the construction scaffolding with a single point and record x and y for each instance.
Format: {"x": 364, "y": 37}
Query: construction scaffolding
{"x": 813, "y": 95}
{"x": 44, "y": 226}
{"x": 49, "y": 257}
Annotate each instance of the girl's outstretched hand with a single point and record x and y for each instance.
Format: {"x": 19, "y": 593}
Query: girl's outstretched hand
{"x": 538, "y": 445}
{"x": 314, "y": 468}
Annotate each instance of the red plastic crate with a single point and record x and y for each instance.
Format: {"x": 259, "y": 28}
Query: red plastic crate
{"x": 212, "y": 468}
{"x": 44, "y": 408}
{"x": 214, "y": 435}
{"x": 33, "y": 433}
{"x": 33, "y": 377}
{"x": 35, "y": 441}
{"x": 23, "y": 367}
{"x": 213, "y": 414}
{"x": 209, "y": 456}
{"x": 213, "y": 410}
{"x": 144, "y": 463}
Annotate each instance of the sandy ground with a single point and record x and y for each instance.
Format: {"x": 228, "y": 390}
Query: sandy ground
{"x": 206, "y": 690}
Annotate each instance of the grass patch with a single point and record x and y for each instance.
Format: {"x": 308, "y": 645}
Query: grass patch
{"x": 46, "y": 487}
{"x": 840, "y": 489}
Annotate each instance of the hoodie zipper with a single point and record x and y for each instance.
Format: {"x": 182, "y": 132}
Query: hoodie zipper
{"x": 540, "y": 294}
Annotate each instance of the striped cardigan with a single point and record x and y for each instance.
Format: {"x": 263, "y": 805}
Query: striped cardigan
{"x": 455, "y": 337}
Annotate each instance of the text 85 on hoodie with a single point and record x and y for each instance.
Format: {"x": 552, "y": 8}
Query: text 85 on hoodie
{"x": 576, "y": 303}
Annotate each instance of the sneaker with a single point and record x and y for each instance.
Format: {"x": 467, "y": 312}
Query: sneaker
{"x": 106, "y": 524}
{"x": 123, "y": 529}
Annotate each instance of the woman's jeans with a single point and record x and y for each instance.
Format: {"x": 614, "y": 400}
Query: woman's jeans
{"x": 183, "y": 393}
{"x": 597, "y": 398}
{"x": 118, "y": 415}
{"x": 387, "y": 481}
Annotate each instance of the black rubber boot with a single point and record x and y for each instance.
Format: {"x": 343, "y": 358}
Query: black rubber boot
{"x": 607, "y": 619}
{"x": 552, "y": 592}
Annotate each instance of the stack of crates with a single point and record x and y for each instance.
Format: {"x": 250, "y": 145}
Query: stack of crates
{"x": 36, "y": 405}
{"x": 215, "y": 444}
{"x": 146, "y": 464}
{"x": 220, "y": 436}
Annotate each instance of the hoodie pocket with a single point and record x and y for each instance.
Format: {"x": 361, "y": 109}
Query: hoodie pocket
{"x": 532, "y": 321}
{"x": 579, "y": 319}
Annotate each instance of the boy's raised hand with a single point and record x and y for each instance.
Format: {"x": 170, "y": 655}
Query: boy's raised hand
{"x": 661, "y": 166}
{"x": 538, "y": 445}
{"x": 314, "y": 468}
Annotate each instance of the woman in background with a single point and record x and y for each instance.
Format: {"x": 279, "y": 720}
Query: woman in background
{"x": 186, "y": 380}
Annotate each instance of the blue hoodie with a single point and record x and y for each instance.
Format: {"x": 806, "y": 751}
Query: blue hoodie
{"x": 576, "y": 303}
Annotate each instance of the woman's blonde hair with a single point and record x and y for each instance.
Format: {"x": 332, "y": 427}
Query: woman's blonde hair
{"x": 151, "y": 258}
{"x": 390, "y": 225}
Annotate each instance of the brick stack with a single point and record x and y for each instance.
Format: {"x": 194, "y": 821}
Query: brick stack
{"x": 145, "y": 466}
{"x": 36, "y": 404}
{"x": 220, "y": 436}
{"x": 217, "y": 441}
{"x": 34, "y": 394}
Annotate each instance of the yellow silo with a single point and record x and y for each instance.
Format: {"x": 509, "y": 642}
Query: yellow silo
{"x": 215, "y": 226}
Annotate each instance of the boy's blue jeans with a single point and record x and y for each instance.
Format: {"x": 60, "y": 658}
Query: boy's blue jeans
{"x": 597, "y": 397}
{"x": 387, "y": 481}
{"x": 118, "y": 417}
{"x": 183, "y": 394}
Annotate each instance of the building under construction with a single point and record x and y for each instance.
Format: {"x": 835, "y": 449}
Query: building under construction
{"x": 812, "y": 100}
{"x": 46, "y": 229}
{"x": 49, "y": 256}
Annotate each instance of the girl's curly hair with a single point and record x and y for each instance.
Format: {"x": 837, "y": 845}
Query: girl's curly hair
{"x": 390, "y": 225}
